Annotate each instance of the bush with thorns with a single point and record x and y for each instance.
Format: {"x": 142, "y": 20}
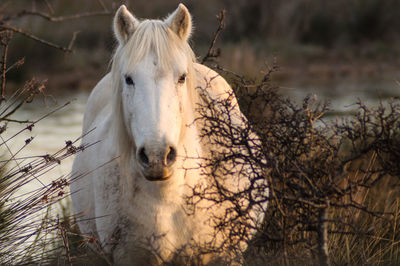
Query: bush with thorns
{"x": 318, "y": 173}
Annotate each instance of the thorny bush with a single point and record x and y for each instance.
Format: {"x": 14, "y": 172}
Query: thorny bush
{"x": 317, "y": 170}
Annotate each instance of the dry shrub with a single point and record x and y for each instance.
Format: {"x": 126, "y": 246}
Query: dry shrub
{"x": 30, "y": 232}
{"x": 325, "y": 177}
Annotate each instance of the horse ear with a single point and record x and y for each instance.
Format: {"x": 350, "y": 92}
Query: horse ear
{"x": 180, "y": 22}
{"x": 125, "y": 24}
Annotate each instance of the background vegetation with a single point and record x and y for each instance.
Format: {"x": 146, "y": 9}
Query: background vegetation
{"x": 311, "y": 39}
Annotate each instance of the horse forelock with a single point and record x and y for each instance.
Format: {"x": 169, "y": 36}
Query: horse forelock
{"x": 156, "y": 38}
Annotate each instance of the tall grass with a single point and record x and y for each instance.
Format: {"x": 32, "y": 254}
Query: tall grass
{"x": 30, "y": 228}
{"x": 27, "y": 223}
{"x": 373, "y": 240}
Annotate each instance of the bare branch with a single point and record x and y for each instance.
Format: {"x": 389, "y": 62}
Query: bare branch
{"x": 71, "y": 43}
{"x": 49, "y": 7}
{"x": 35, "y": 38}
{"x": 17, "y": 64}
{"x": 5, "y": 40}
{"x": 16, "y": 121}
{"x": 212, "y": 53}
{"x": 60, "y": 18}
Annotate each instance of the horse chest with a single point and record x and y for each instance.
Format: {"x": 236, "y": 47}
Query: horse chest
{"x": 158, "y": 216}
{"x": 107, "y": 184}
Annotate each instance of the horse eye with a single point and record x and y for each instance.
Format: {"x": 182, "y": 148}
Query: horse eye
{"x": 129, "y": 80}
{"x": 182, "y": 79}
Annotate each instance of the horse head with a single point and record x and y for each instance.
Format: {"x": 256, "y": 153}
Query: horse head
{"x": 153, "y": 68}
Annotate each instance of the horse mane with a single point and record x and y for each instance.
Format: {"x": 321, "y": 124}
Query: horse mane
{"x": 151, "y": 36}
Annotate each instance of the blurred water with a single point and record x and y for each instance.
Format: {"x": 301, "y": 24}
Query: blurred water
{"x": 342, "y": 94}
{"x": 49, "y": 134}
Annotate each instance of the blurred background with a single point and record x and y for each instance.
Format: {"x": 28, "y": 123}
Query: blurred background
{"x": 326, "y": 45}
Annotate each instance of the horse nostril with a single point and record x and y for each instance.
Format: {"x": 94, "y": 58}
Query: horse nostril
{"x": 171, "y": 156}
{"x": 143, "y": 157}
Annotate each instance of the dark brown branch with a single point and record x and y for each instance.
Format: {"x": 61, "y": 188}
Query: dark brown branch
{"x": 16, "y": 121}
{"x": 5, "y": 40}
{"x": 71, "y": 43}
{"x": 16, "y": 64}
{"x": 35, "y": 38}
{"x": 212, "y": 53}
{"x": 60, "y": 18}
{"x": 29, "y": 127}
{"x": 49, "y": 7}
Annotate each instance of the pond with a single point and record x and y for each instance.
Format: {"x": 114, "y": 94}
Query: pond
{"x": 342, "y": 94}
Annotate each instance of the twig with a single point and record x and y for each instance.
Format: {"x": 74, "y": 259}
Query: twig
{"x": 212, "y": 53}
{"x": 60, "y": 18}
{"x": 5, "y": 40}
{"x": 16, "y": 64}
{"x": 29, "y": 127}
{"x": 49, "y": 6}
{"x": 16, "y": 121}
{"x": 33, "y": 37}
{"x": 65, "y": 241}
{"x": 102, "y": 5}
{"x": 71, "y": 43}
{"x": 31, "y": 90}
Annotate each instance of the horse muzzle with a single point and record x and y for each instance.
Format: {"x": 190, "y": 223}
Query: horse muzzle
{"x": 156, "y": 164}
{"x": 158, "y": 174}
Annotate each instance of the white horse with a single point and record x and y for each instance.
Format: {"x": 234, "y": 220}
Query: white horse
{"x": 143, "y": 114}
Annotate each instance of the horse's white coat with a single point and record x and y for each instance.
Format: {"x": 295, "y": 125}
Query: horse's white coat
{"x": 124, "y": 210}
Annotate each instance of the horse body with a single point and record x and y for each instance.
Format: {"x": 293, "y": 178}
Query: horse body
{"x": 133, "y": 196}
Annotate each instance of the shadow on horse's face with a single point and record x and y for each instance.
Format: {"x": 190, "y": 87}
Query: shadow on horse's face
{"x": 153, "y": 102}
